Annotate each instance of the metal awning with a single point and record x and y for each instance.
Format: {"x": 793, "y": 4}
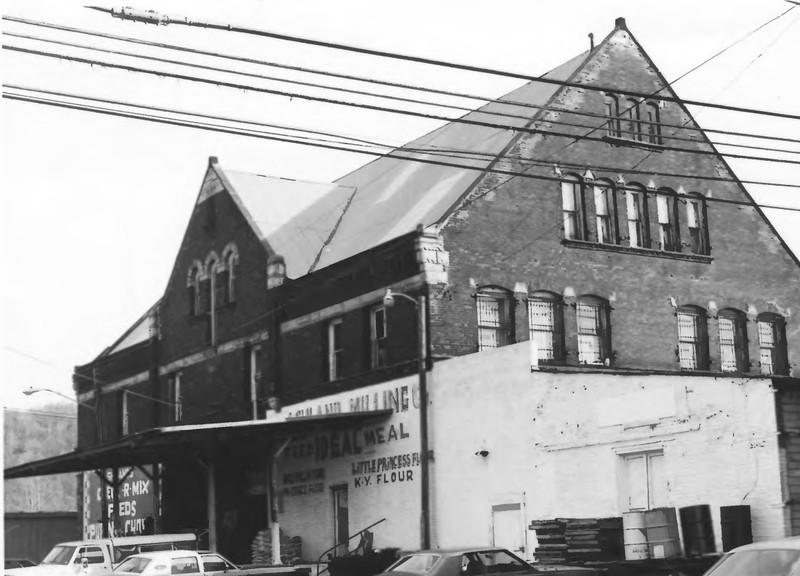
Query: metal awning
{"x": 160, "y": 444}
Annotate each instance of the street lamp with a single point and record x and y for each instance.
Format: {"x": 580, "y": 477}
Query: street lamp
{"x": 31, "y": 391}
{"x": 388, "y": 301}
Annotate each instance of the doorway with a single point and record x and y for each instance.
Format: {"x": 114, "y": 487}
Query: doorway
{"x": 341, "y": 521}
{"x": 508, "y": 528}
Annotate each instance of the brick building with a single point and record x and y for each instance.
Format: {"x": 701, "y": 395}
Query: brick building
{"x": 606, "y": 325}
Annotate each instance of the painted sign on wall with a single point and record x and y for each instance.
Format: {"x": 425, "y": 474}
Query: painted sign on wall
{"x": 136, "y": 510}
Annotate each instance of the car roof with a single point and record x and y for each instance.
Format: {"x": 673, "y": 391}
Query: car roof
{"x": 454, "y": 551}
{"x": 791, "y": 543}
{"x": 160, "y": 554}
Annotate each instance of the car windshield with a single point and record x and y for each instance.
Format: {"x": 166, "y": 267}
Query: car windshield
{"x": 419, "y": 563}
{"x": 133, "y": 565}
{"x": 761, "y": 562}
{"x": 59, "y": 555}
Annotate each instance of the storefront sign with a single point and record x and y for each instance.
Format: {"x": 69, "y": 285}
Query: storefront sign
{"x": 136, "y": 508}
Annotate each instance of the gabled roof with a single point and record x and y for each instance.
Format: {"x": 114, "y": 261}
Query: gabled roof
{"x": 293, "y": 217}
{"x": 394, "y": 195}
{"x": 143, "y": 329}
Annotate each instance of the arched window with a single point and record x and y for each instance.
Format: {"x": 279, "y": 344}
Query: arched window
{"x": 605, "y": 213}
{"x": 207, "y": 283}
{"x": 696, "y": 222}
{"x": 631, "y": 119}
{"x": 495, "y": 317}
{"x": 772, "y": 344}
{"x": 230, "y": 260}
{"x": 638, "y": 222}
{"x": 193, "y": 287}
{"x": 692, "y": 338}
{"x": 653, "y": 118}
{"x": 612, "y": 112}
{"x": 732, "y": 326}
{"x": 572, "y": 208}
{"x": 669, "y": 236}
{"x": 594, "y": 331}
{"x": 546, "y": 326}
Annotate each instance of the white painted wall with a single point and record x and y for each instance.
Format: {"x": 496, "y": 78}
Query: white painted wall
{"x": 393, "y": 494}
{"x": 555, "y": 442}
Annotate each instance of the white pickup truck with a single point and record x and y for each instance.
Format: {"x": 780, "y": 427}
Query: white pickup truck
{"x": 86, "y": 557}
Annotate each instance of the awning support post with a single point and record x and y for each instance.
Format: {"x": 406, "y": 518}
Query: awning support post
{"x": 212, "y": 507}
{"x": 273, "y": 492}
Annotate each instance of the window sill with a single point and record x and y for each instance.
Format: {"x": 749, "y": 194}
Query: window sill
{"x": 618, "y": 141}
{"x": 583, "y": 244}
{"x": 596, "y": 368}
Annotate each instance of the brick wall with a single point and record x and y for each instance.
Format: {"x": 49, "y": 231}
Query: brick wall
{"x": 556, "y": 443}
{"x": 511, "y": 233}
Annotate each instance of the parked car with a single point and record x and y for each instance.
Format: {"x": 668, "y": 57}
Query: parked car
{"x": 18, "y": 563}
{"x": 770, "y": 558}
{"x": 100, "y": 556}
{"x": 460, "y": 562}
{"x": 175, "y": 562}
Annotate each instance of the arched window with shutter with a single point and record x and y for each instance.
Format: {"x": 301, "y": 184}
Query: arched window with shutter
{"x": 594, "y": 330}
{"x": 495, "y": 307}
{"x": 605, "y": 210}
{"x": 637, "y": 216}
{"x": 692, "y": 338}
{"x": 732, "y": 325}
{"x": 773, "y": 356}
{"x": 668, "y": 231}
{"x": 546, "y": 326}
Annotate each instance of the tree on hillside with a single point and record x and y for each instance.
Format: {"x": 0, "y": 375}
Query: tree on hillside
{"x": 32, "y": 435}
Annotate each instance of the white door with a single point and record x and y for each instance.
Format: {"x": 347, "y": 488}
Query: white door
{"x": 508, "y": 528}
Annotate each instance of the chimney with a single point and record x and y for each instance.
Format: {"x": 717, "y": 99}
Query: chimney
{"x": 620, "y": 23}
{"x": 591, "y": 41}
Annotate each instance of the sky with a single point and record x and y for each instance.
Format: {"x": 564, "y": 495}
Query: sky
{"x": 94, "y": 207}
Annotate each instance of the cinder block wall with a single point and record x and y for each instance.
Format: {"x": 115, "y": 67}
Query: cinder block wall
{"x": 558, "y": 440}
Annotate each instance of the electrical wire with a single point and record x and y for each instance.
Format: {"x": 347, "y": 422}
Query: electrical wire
{"x": 440, "y": 151}
{"x": 540, "y": 79}
{"x": 393, "y": 154}
{"x": 484, "y": 111}
{"x": 185, "y": 21}
{"x": 462, "y": 120}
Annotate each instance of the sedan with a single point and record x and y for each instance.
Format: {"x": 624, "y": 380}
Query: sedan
{"x": 770, "y": 558}
{"x": 460, "y": 562}
{"x": 174, "y": 562}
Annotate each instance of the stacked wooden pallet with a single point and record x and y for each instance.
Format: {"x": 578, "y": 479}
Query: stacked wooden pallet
{"x": 261, "y": 547}
{"x": 578, "y": 540}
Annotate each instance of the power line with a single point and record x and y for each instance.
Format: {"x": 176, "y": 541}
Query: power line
{"x": 395, "y": 154}
{"x": 434, "y": 150}
{"x": 409, "y": 100}
{"x": 185, "y": 21}
{"x": 462, "y": 120}
{"x": 363, "y": 79}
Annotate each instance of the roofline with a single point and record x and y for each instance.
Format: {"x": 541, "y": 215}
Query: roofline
{"x": 454, "y": 207}
{"x": 679, "y": 101}
{"x": 105, "y": 353}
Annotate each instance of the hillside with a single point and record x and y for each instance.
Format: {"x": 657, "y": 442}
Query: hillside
{"x": 32, "y": 435}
